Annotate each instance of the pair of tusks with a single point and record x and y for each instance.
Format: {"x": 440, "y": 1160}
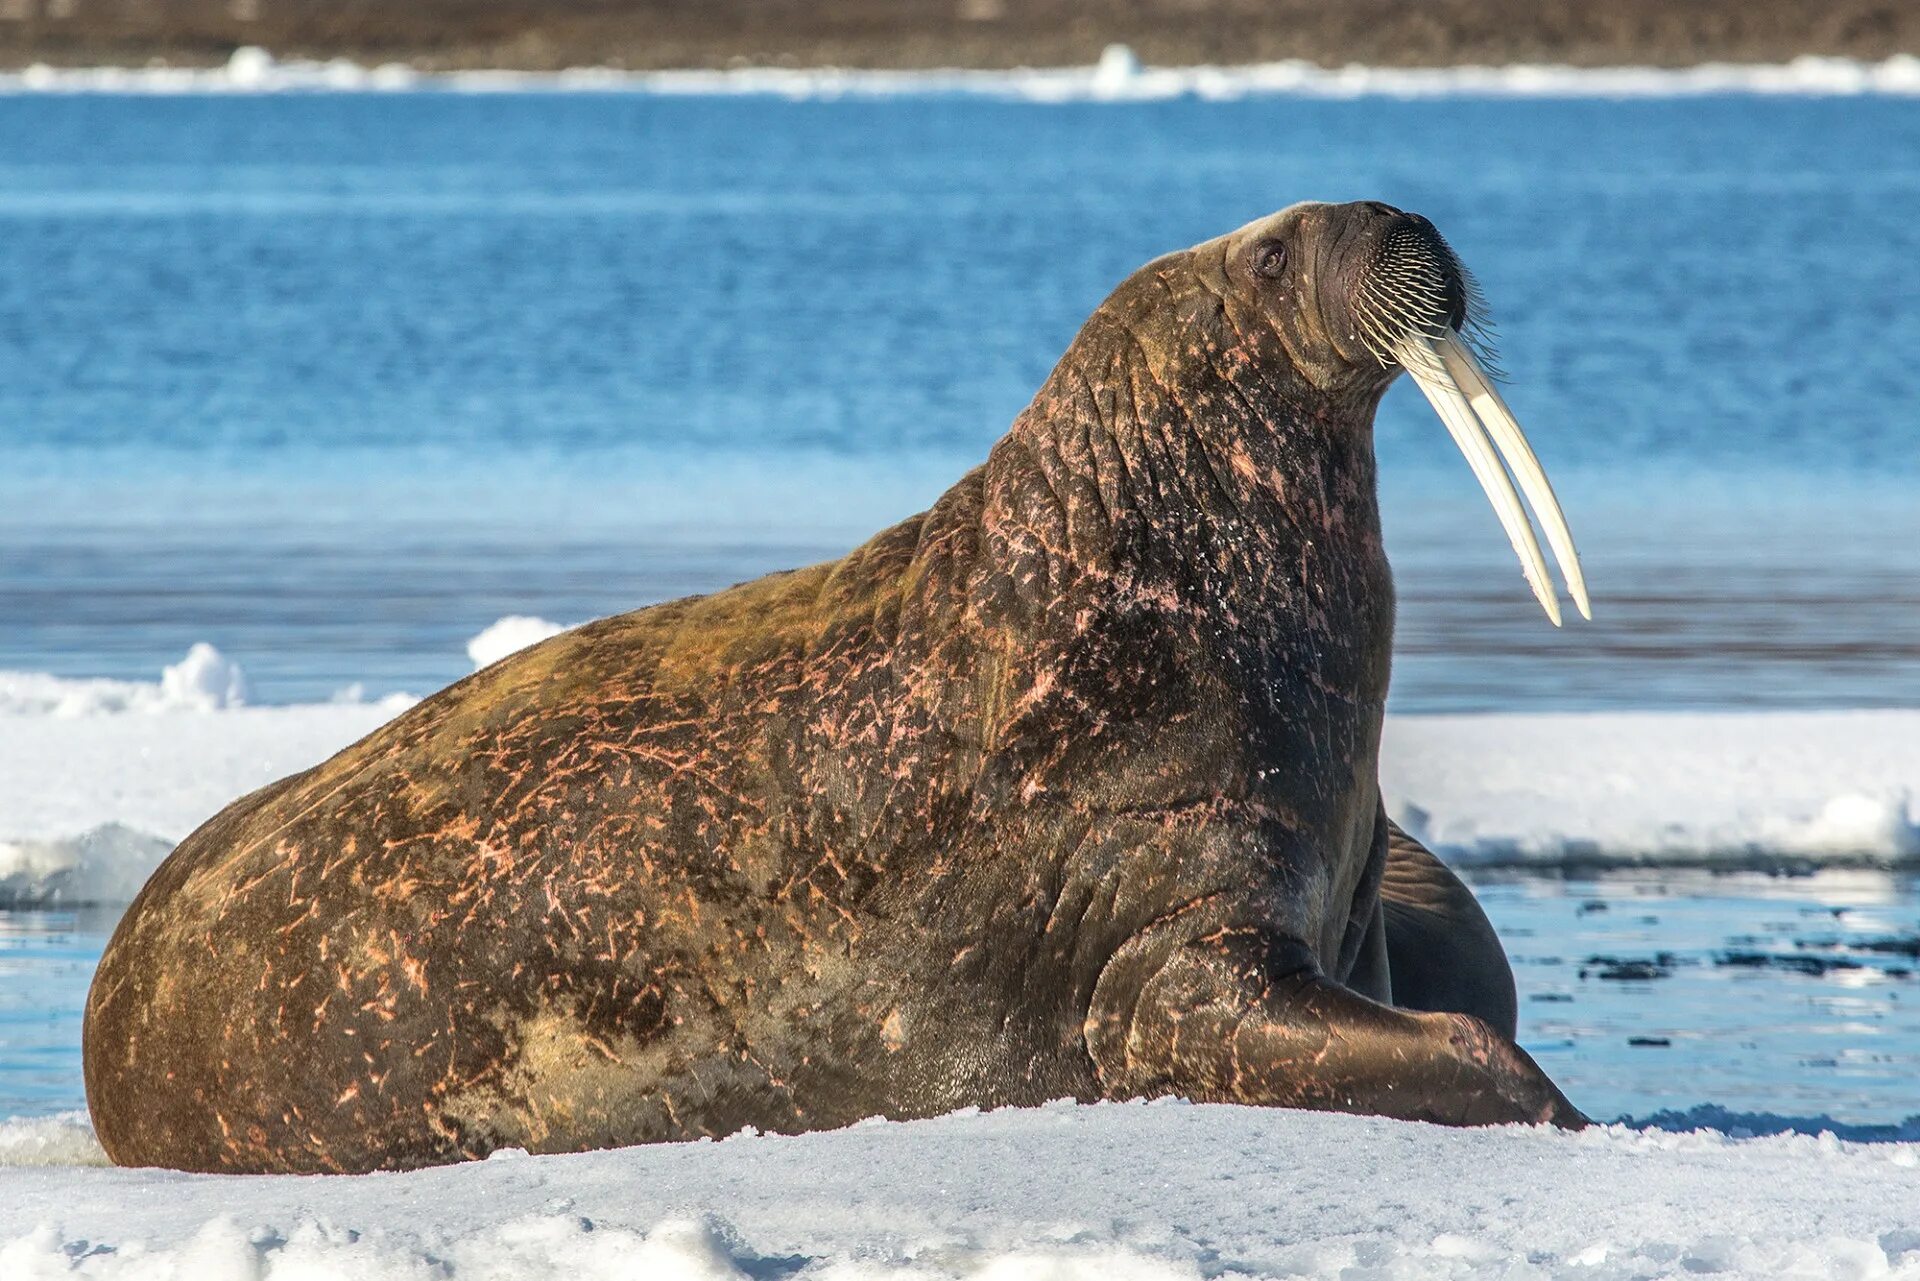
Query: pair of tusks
{"x": 1479, "y": 421}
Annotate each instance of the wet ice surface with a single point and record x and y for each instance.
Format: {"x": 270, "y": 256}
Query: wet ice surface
{"x": 1642, "y": 992}
{"x": 1658, "y": 990}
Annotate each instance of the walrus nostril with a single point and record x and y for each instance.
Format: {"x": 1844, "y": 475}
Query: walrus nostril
{"x": 1384, "y": 210}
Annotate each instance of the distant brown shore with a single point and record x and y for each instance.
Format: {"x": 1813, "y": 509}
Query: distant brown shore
{"x": 649, "y": 34}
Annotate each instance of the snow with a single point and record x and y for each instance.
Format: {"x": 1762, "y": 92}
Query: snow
{"x": 1118, "y": 76}
{"x": 99, "y": 778}
{"x": 1110, "y": 1192}
{"x": 203, "y": 681}
{"x": 1732, "y": 788}
{"x": 65, "y": 1139}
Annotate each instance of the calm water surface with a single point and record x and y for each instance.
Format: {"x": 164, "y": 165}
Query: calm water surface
{"x": 335, "y": 381}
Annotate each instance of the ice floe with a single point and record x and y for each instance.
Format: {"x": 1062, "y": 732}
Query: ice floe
{"x": 1118, "y": 76}
{"x": 204, "y": 681}
{"x": 1109, "y": 1192}
{"x": 1718, "y": 788}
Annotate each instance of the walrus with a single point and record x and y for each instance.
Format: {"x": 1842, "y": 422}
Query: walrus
{"x": 1065, "y": 787}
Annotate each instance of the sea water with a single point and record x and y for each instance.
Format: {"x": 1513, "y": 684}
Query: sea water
{"x": 334, "y": 381}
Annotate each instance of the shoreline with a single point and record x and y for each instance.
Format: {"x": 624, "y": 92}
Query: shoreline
{"x": 645, "y": 35}
{"x": 1118, "y": 76}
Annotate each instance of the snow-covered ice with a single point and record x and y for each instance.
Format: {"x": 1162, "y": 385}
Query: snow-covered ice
{"x": 1118, "y": 76}
{"x": 1726, "y": 788}
{"x": 204, "y": 681}
{"x": 99, "y": 778}
{"x": 1113, "y": 1192}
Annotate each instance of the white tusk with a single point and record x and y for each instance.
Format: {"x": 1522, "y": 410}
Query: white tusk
{"x": 1420, "y": 357}
{"x": 1519, "y": 456}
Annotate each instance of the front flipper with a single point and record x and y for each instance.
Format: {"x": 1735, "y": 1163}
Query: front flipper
{"x": 1245, "y": 1016}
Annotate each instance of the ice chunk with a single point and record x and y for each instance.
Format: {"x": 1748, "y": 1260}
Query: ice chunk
{"x": 509, "y": 635}
{"x": 204, "y": 681}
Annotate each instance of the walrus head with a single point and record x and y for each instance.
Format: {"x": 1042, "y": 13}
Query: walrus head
{"x": 1357, "y": 293}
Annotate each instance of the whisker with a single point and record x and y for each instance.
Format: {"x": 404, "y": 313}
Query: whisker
{"x": 1415, "y": 286}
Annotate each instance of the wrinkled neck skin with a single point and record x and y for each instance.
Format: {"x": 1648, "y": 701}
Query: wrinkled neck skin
{"x": 1180, "y": 539}
{"x": 1176, "y": 455}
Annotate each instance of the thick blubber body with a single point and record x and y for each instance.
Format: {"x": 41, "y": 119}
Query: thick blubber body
{"x": 957, "y": 820}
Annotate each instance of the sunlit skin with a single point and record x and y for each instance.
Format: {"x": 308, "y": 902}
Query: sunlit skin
{"x": 1064, "y": 787}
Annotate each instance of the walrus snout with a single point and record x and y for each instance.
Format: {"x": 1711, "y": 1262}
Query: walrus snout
{"x": 1407, "y": 282}
{"x": 1412, "y": 301}
{"x": 1356, "y": 279}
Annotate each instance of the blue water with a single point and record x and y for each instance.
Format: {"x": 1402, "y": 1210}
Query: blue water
{"x": 334, "y": 382}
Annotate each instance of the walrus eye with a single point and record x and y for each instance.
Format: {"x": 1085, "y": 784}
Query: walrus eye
{"x": 1270, "y": 259}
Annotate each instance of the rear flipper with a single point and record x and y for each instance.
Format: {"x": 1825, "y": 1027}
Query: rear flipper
{"x": 1442, "y": 952}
